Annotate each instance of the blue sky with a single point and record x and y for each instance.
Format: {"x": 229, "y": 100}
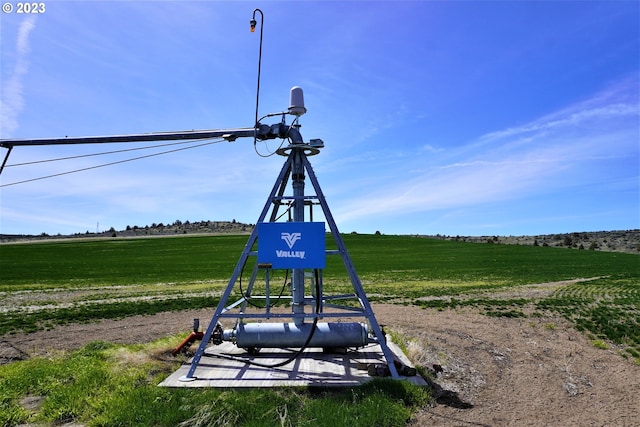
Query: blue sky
{"x": 450, "y": 117}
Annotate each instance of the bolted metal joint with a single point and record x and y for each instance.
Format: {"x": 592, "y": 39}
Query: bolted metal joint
{"x": 216, "y": 336}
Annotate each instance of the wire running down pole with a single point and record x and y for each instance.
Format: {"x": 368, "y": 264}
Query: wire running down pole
{"x": 253, "y": 23}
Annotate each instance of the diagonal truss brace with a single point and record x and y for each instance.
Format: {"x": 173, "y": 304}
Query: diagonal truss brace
{"x": 296, "y": 160}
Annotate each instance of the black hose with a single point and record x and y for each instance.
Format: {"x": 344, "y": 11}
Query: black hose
{"x": 301, "y": 350}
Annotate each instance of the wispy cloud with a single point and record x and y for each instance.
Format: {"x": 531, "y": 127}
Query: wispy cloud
{"x": 564, "y": 149}
{"x": 12, "y": 102}
{"x": 565, "y": 119}
{"x": 610, "y": 109}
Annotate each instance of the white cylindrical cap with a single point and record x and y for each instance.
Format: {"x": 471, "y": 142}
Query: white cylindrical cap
{"x": 296, "y": 101}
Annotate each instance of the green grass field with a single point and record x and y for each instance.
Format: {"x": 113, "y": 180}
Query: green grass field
{"x": 48, "y": 283}
{"x": 109, "y": 278}
{"x": 76, "y": 264}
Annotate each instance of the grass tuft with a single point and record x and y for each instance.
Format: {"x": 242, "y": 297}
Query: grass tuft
{"x": 104, "y": 384}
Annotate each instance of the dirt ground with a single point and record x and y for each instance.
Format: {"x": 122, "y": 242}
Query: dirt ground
{"x": 491, "y": 371}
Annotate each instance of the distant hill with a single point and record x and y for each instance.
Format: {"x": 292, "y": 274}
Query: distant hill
{"x": 611, "y": 241}
{"x": 160, "y": 229}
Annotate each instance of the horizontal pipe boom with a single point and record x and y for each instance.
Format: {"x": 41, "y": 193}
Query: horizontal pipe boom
{"x": 228, "y": 134}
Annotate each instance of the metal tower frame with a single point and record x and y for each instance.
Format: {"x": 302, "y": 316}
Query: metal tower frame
{"x": 294, "y": 168}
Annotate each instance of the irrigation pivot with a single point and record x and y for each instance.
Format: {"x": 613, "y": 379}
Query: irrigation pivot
{"x": 296, "y": 244}
{"x": 286, "y": 242}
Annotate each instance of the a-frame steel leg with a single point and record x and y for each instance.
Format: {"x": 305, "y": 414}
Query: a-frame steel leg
{"x": 296, "y": 161}
{"x": 353, "y": 276}
{"x": 236, "y": 272}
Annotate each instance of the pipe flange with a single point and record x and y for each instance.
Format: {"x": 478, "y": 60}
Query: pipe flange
{"x": 307, "y": 149}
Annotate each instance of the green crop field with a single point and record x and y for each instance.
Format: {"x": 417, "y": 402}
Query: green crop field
{"x": 75, "y": 264}
{"x": 43, "y": 284}
{"x": 109, "y": 278}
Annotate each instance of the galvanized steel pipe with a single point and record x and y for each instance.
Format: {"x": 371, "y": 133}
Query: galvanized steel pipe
{"x": 279, "y": 335}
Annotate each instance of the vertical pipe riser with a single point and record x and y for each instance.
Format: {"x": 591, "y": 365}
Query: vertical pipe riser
{"x": 298, "y": 216}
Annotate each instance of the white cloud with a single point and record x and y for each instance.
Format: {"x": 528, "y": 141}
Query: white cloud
{"x": 606, "y": 112}
{"x": 12, "y": 102}
{"x": 618, "y": 101}
{"x": 565, "y": 149}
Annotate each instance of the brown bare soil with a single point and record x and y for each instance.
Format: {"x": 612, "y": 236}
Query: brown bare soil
{"x": 516, "y": 372}
{"x": 487, "y": 371}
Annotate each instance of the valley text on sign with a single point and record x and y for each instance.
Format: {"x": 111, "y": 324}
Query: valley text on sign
{"x": 292, "y": 244}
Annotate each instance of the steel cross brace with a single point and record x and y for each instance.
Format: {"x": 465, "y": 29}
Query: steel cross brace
{"x": 296, "y": 156}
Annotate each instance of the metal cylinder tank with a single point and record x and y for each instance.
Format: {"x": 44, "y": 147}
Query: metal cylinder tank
{"x": 277, "y": 335}
{"x": 296, "y": 101}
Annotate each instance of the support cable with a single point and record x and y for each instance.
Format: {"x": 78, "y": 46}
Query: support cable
{"x": 98, "y": 154}
{"x": 110, "y": 164}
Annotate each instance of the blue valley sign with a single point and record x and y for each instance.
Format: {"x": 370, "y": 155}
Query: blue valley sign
{"x": 292, "y": 244}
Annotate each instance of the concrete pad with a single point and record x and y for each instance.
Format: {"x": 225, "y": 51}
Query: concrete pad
{"x": 226, "y": 366}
